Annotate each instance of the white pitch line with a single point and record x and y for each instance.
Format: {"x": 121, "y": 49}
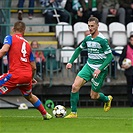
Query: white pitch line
{"x": 91, "y": 117}
{"x": 106, "y": 118}
{"x": 20, "y": 116}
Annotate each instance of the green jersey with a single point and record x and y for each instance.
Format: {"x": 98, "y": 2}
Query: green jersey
{"x": 97, "y": 49}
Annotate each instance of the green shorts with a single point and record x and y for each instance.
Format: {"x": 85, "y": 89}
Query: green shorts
{"x": 87, "y": 74}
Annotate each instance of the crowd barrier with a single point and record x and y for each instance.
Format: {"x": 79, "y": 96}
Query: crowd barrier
{"x": 53, "y": 71}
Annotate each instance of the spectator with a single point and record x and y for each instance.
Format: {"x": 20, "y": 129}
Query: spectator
{"x": 20, "y": 12}
{"x": 112, "y": 7}
{"x": 55, "y": 15}
{"x": 81, "y": 10}
{"x": 39, "y": 57}
{"x": 128, "y": 6}
{"x": 74, "y": 7}
{"x": 91, "y": 8}
{"x": 127, "y": 53}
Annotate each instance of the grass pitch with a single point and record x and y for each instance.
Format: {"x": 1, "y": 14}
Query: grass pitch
{"x": 90, "y": 120}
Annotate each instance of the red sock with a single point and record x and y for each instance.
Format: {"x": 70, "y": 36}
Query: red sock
{"x": 40, "y": 107}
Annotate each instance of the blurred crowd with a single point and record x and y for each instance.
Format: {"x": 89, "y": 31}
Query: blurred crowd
{"x": 80, "y": 10}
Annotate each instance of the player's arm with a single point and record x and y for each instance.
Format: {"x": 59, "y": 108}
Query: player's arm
{"x": 76, "y": 53}
{"x": 4, "y": 50}
{"x": 7, "y": 43}
{"x": 74, "y": 56}
{"x": 106, "y": 62}
{"x": 104, "y": 65}
{"x": 108, "y": 53}
{"x": 33, "y": 64}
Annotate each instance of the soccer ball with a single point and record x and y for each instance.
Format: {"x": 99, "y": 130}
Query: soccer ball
{"x": 127, "y": 62}
{"x": 59, "y": 111}
{"x": 23, "y": 106}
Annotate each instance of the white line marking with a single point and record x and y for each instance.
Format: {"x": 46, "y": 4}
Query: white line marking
{"x": 89, "y": 117}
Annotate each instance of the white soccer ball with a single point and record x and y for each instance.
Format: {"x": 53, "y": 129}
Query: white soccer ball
{"x": 59, "y": 111}
{"x": 127, "y": 62}
{"x": 23, "y": 106}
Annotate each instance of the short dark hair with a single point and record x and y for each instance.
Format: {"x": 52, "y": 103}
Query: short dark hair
{"x": 93, "y": 19}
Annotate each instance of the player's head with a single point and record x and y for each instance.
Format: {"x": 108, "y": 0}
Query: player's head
{"x": 93, "y": 24}
{"x": 19, "y": 27}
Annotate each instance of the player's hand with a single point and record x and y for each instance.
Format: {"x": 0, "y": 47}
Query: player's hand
{"x": 68, "y": 66}
{"x": 34, "y": 81}
{"x": 96, "y": 73}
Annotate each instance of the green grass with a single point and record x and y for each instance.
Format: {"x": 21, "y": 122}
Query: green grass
{"x": 90, "y": 120}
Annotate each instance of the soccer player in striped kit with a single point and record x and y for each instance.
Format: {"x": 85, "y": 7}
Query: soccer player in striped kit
{"x": 21, "y": 67}
{"x": 95, "y": 70}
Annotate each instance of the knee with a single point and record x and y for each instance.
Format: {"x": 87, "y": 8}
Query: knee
{"x": 28, "y": 97}
{"x": 75, "y": 88}
{"x": 94, "y": 96}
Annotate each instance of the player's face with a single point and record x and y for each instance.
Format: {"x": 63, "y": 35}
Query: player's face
{"x": 93, "y": 26}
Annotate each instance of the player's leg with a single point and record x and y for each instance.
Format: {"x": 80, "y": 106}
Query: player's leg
{"x": 98, "y": 96}
{"x": 38, "y": 104}
{"x": 95, "y": 91}
{"x": 74, "y": 97}
{"x": 101, "y": 97}
{"x": 6, "y": 83}
{"x": 78, "y": 83}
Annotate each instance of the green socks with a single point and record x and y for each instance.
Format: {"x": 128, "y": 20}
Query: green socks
{"x": 103, "y": 98}
{"x": 74, "y": 101}
{"x": 74, "y": 98}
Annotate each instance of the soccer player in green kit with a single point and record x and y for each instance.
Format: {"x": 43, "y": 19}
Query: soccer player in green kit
{"x": 95, "y": 70}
